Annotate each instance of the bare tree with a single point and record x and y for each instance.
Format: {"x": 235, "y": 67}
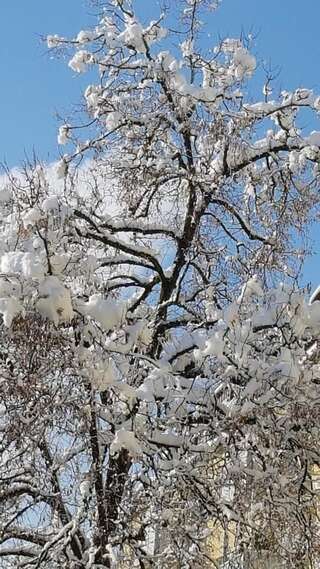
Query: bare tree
{"x": 159, "y": 366}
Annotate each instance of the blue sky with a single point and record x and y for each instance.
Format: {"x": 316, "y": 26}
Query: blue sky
{"x": 35, "y": 88}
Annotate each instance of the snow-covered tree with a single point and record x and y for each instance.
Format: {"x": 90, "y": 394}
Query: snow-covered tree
{"x": 159, "y": 366}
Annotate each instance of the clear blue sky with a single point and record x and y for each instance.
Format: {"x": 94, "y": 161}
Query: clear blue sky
{"x": 34, "y": 88}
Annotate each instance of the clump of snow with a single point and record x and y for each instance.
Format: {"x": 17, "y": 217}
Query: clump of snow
{"x": 113, "y": 120}
{"x": 127, "y": 391}
{"x": 304, "y": 95}
{"x": 80, "y": 61}
{"x": 85, "y": 36}
{"x": 8, "y": 288}
{"x": 53, "y": 41}
{"x": 229, "y": 45}
{"x": 145, "y": 334}
{"x": 286, "y": 366}
{"x": 134, "y": 333}
{"x": 265, "y": 316}
{"x": 138, "y": 331}
{"x": 31, "y": 217}
{"x": 244, "y": 62}
{"x": 9, "y": 308}
{"x": 214, "y": 346}
{"x": 132, "y": 36}
{"x": 5, "y": 195}
{"x": 314, "y": 138}
{"x": 54, "y": 301}
{"x": 85, "y": 487}
{"x": 59, "y": 263}
{"x": 25, "y": 264}
{"x": 168, "y": 62}
{"x": 64, "y": 134}
{"x": 125, "y": 440}
{"x": 107, "y": 312}
{"x": 62, "y": 169}
{"x": 261, "y": 108}
{"x": 231, "y": 313}
{"x": 186, "y": 48}
{"x": 104, "y": 375}
{"x": 251, "y": 288}
{"x": 50, "y": 204}
{"x": 154, "y": 33}
{"x": 146, "y": 390}
{"x": 54, "y": 205}
{"x": 92, "y": 96}
{"x": 294, "y": 161}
